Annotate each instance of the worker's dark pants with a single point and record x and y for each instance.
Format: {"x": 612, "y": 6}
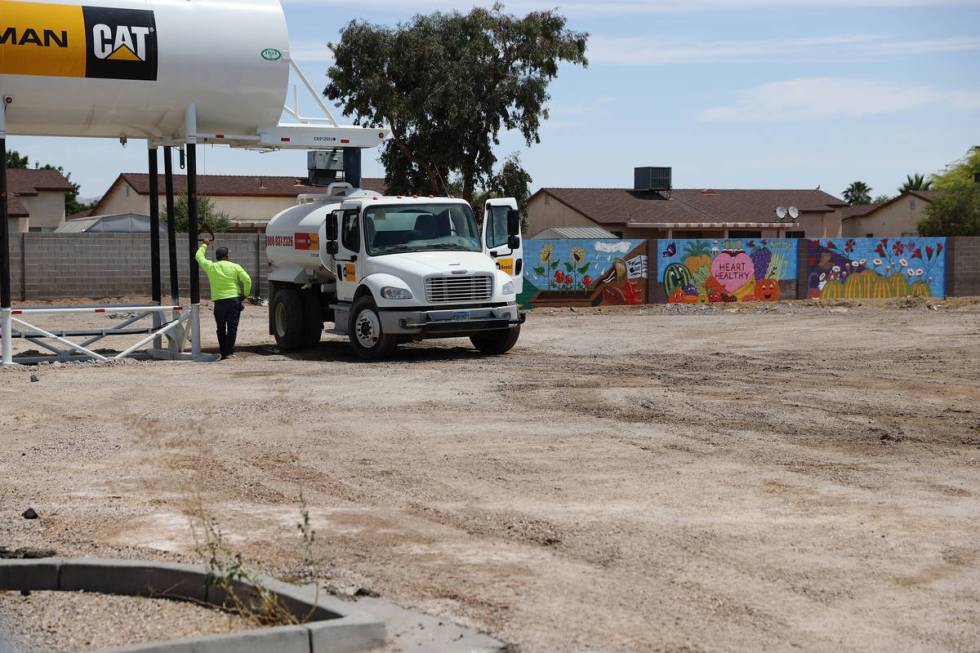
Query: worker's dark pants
{"x": 226, "y": 314}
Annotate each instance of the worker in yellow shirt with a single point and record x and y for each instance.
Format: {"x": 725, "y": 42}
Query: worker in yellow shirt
{"x": 230, "y": 284}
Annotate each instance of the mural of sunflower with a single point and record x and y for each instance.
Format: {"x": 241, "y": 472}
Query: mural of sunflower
{"x": 546, "y": 252}
{"x": 578, "y": 255}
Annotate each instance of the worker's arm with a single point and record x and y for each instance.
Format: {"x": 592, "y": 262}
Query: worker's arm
{"x": 245, "y": 280}
{"x": 202, "y": 260}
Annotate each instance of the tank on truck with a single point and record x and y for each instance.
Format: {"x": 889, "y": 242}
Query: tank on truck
{"x": 159, "y": 71}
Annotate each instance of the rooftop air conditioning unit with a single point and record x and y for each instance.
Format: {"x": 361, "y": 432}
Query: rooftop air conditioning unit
{"x": 651, "y": 179}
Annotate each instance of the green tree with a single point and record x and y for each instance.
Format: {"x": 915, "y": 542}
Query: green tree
{"x": 206, "y": 213}
{"x": 446, "y": 84}
{"x": 15, "y": 160}
{"x": 955, "y": 208}
{"x": 881, "y": 199}
{"x": 915, "y": 182}
{"x": 858, "y": 193}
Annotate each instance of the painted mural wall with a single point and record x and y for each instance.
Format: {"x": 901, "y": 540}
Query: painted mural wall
{"x": 738, "y": 270}
{"x": 876, "y": 268}
{"x": 584, "y": 272}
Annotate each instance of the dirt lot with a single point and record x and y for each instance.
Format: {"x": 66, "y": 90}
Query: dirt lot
{"x": 770, "y": 478}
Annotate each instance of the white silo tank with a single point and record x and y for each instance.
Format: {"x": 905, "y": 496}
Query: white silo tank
{"x": 130, "y": 68}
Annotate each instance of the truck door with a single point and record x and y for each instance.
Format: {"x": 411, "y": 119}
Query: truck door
{"x": 497, "y": 239}
{"x": 348, "y": 257}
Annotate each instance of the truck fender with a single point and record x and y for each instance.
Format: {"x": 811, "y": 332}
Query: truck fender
{"x": 376, "y": 282}
{"x": 290, "y": 274}
{"x": 501, "y": 278}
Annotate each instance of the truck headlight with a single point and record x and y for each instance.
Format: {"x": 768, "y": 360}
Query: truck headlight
{"x": 390, "y": 292}
{"x": 508, "y": 288}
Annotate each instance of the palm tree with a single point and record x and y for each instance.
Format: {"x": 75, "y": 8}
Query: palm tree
{"x": 915, "y": 182}
{"x": 858, "y": 193}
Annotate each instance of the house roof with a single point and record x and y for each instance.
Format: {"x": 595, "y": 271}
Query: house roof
{"x": 113, "y": 223}
{"x": 864, "y": 210}
{"x": 28, "y": 182}
{"x": 240, "y": 185}
{"x": 590, "y": 233}
{"x": 621, "y": 206}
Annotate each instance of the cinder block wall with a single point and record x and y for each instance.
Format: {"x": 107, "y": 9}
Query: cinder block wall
{"x": 111, "y": 265}
{"x": 16, "y": 265}
{"x": 964, "y": 262}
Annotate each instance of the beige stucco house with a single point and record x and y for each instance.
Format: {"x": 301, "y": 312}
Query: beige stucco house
{"x": 898, "y": 217}
{"x": 250, "y": 201}
{"x": 687, "y": 213}
{"x": 37, "y": 199}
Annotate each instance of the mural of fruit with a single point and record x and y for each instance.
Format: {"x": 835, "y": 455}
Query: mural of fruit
{"x": 680, "y": 297}
{"x": 761, "y": 258}
{"x": 677, "y": 276}
{"x": 899, "y": 285}
{"x": 712, "y": 284}
{"x": 833, "y": 289}
{"x": 696, "y": 256}
{"x": 733, "y": 270}
{"x": 860, "y": 284}
{"x": 747, "y": 290}
{"x": 767, "y": 290}
{"x": 921, "y": 289}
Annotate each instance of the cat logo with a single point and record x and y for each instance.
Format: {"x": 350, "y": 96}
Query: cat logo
{"x": 72, "y": 41}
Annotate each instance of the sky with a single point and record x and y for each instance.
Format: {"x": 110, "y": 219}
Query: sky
{"x": 729, "y": 93}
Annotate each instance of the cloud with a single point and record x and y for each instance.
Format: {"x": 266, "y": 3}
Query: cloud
{"x": 814, "y": 98}
{"x": 310, "y": 51}
{"x": 624, "y": 7}
{"x": 846, "y": 47}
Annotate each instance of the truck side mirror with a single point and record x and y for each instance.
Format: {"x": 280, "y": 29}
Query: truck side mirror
{"x": 332, "y": 227}
{"x": 514, "y": 242}
{"x": 332, "y": 247}
{"x": 513, "y": 223}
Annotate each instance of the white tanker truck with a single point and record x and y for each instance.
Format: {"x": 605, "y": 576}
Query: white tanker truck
{"x": 386, "y": 270}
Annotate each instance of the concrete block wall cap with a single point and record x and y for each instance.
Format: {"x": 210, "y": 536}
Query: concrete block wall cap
{"x": 285, "y": 639}
{"x": 37, "y": 575}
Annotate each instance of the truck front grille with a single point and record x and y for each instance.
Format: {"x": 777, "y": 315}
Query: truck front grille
{"x": 458, "y": 289}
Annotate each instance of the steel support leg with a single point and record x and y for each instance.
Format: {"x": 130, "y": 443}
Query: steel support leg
{"x": 168, "y": 185}
{"x": 191, "y": 134}
{"x": 6, "y": 334}
{"x": 156, "y": 290}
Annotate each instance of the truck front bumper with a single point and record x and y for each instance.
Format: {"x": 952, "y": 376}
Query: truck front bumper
{"x": 450, "y": 322}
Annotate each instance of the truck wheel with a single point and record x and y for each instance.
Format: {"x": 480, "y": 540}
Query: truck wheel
{"x": 288, "y": 324}
{"x": 366, "y": 337}
{"x": 312, "y": 317}
{"x": 495, "y": 343}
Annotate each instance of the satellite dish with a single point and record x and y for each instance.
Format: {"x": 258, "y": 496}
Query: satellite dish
{"x": 781, "y": 212}
{"x": 794, "y": 212}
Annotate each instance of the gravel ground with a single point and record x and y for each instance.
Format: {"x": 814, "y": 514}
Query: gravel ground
{"x": 65, "y": 622}
{"x": 734, "y": 478}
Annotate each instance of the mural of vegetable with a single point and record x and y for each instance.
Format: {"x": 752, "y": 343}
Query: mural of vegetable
{"x": 677, "y": 276}
{"x": 899, "y": 285}
{"x": 833, "y": 289}
{"x": 921, "y": 289}
{"x": 860, "y": 284}
{"x": 696, "y": 256}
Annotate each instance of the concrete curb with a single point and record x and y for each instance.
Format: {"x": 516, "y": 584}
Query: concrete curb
{"x": 335, "y": 626}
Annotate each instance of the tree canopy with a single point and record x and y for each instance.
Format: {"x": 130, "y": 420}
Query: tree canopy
{"x": 955, "y": 208}
{"x": 857, "y": 193}
{"x": 915, "y": 182}
{"x": 446, "y": 84}
{"x": 206, "y": 213}
{"x": 16, "y": 160}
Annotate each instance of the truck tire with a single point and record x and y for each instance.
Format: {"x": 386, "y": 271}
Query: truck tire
{"x": 288, "y": 323}
{"x": 366, "y": 336}
{"x": 494, "y": 343}
{"x": 312, "y": 318}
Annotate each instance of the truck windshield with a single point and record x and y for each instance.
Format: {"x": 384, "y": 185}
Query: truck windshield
{"x": 420, "y": 228}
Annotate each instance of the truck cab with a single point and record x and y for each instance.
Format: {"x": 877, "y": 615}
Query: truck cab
{"x": 386, "y": 270}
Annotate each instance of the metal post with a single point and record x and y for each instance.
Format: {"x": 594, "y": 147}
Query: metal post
{"x": 6, "y": 347}
{"x": 352, "y": 166}
{"x": 168, "y": 184}
{"x": 191, "y": 136}
{"x": 155, "y": 286}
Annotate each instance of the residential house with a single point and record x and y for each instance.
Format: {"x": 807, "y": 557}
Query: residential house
{"x": 897, "y": 217}
{"x": 250, "y": 201}
{"x": 36, "y": 199}
{"x": 688, "y": 213}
